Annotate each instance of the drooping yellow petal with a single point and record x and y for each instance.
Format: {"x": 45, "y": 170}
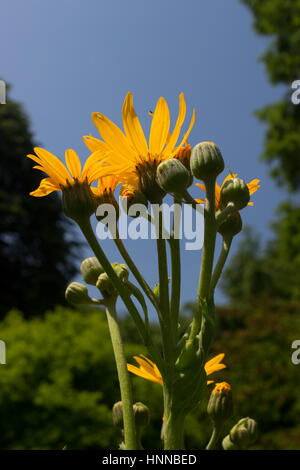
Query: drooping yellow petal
{"x": 172, "y": 139}
{"x": 73, "y": 163}
{"x": 46, "y": 187}
{"x": 212, "y": 362}
{"x": 132, "y": 126}
{"x": 141, "y": 373}
{"x": 160, "y": 126}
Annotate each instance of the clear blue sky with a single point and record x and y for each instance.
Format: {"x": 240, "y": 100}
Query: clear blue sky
{"x": 67, "y": 58}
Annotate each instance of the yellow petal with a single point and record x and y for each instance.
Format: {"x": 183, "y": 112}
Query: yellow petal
{"x": 172, "y": 139}
{"x": 52, "y": 165}
{"x": 73, "y": 163}
{"x": 145, "y": 375}
{"x": 92, "y": 143}
{"x": 215, "y": 368}
{"x": 215, "y": 360}
{"x": 160, "y": 126}
{"x": 95, "y": 157}
{"x": 46, "y": 187}
{"x": 186, "y": 135}
{"x": 113, "y": 136}
{"x": 132, "y": 126}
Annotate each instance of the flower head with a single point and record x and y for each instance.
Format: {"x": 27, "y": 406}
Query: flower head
{"x": 149, "y": 370}
{"x": 61, "y": 176}
{"x": 128, "y": 154}
{"x": 253, "y": 186}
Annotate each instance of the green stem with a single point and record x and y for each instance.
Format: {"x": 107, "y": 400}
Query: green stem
{"x": 123, "y": 376}
{"x": 215, "y": 439}
{"x": 165, "y": 322}
{"x": 86, "y": 228}
{"x": 133, "y": 268}
{"x": 173, "y": 426}
{"x": 176, "y": 277}
{"x": 220, "y": 264}
{"x": 207, "y": 257}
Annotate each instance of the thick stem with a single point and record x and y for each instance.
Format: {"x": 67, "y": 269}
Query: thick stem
{"x": 207, "y": 256}
{"x": 173, "y": 426}
{"x": 214, "y": 441}
{"x": 124, "y": 380}
{"x": 176, "y": 276}
{"x": 165, "y": 321}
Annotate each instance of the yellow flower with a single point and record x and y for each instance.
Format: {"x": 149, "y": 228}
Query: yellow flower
{"x": 252, "y": 185}
{"x": 106, "y": 186}
{"x": 222, "y": 387}
{"x": 149, "y": 370}
{"x": 128, "y": 153}
{"x": 61, "y": 176}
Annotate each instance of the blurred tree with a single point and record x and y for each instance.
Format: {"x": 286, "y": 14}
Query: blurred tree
{"x": 270, "y": 272}
{"x": 280, "y": 19}
{"x": 60, "y": 381}
{"x": 35, "y": 253}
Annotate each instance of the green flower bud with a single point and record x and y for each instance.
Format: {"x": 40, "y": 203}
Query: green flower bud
{"x": 236, "y": 191}
{"x": 231, "y": 226}
{"x": 206, "y": 161}
{"x": 141, "y": 415}
{"x": 121, "y": 271}
{"x": 104, "y": 283}
{"x": 105, "y": 286}
{"x": 129, "y": 196}
{"x": 172, "y": 176}
{"x": 91, "y": 269}
{"x": 78, "y": 200}
{"x": 117, "y": 414}
{"x": 227, "y": 444}
{"x": 244, "y": 433}
{"x": 77, "y": 294}
{"x": 220, "y": 405}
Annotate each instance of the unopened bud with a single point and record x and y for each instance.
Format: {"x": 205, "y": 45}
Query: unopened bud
{"x": 172, "y": 176}
{"x": 121, "y": 271}
{"x": 91, "y": 269}
{"x": 104, "y": 283}
{"x": 77, "y": 294}
{"x": 244, "y": 433}
{"x": 105, "y": 286}
{"x": 235, "y": 191}
{"x": 117, "y": 414}
{"x": 232, "y": 225}
{"x": 220, "y": 405}
{"x": 141, "y": 415}
{"x": 206, "y": 161}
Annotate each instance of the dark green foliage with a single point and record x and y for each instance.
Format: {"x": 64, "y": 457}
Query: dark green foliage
{"x": 280, "y": 20}
{"x": 272, "y": 272}
{"x": 60, "y": 381}
{"x": 35, "y": 255}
